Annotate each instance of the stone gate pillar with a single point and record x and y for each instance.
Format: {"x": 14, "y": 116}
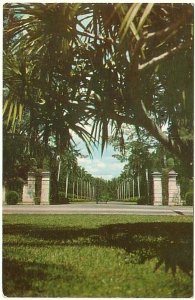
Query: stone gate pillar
{"x": 29, "y": 189}
{"x": 45, "y": 187}
{"x": 173, "y": 189}
{"x": 4, "y": 193}
{"x": 157, "y": 188}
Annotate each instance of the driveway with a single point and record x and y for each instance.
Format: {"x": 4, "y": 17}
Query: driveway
{"x": 101, "y": 208}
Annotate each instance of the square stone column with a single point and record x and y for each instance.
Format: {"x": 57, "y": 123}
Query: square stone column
{"x": 29, "y": 189}
{"x": 157, "y": 188}
{"x": 180, "y": 202}
{"x": 45, "y": 187}
{"x": 173, "y": 190}
{"x": 4, "y": 192}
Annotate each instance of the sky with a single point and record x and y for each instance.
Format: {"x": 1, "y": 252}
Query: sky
{"x": 105, "y": 166}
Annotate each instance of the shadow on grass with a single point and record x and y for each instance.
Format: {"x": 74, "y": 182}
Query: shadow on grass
{"x": 22, "y": 276}
{"x": 19, "y": 276}
{"x": 170, "y": 243}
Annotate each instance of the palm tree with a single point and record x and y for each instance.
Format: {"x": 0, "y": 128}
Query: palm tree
{"x": 40, "y": 80}
{"x": 71, "y": 164}
{"x": 115, "y": 51}
{"x": 129, "y": 189}
{"x": 138, "y": 185}
{"x": 74, "y": 176}
{"x": 89, "y": 181}
{"x": 77, "y": 181}
{"x": 133, "y": 187}
{"x": 44, "y": 58}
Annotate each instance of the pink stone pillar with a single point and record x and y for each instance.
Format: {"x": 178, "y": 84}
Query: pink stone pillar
{"x": 157, "y": 188}
{"x": 45, "y": 187}
{"x": 29, "y": 189}
{"x": 173, "y": 190}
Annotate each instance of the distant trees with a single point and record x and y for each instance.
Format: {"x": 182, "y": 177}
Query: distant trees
{"x": 144, "y": 155}
{"x": 74, "y": 181}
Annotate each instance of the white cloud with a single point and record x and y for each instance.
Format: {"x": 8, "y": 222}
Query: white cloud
{"x": 99, "y": 164}
{"x": 104, "y": 166}
{"x": 106, "y": 177}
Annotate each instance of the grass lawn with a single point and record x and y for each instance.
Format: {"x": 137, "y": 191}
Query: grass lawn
{"x": 97, "y": 256}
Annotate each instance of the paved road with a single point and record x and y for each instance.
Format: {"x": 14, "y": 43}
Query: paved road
{"x": 101, "y": 208}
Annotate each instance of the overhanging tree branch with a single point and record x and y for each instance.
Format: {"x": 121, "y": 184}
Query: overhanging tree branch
{"x": 166, "y": 31}
{"x": 156, "y": 60}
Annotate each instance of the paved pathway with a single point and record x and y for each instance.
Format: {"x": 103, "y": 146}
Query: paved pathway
{"x": 101, "y": 208}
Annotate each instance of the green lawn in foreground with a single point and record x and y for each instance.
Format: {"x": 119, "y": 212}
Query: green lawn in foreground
{"x": 97, "y": 256}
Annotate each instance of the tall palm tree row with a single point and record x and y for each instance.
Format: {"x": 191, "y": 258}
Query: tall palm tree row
{"x": 74, "y": 181}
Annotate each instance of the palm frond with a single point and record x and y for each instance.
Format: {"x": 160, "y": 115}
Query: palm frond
{"x": 144, "y": 16}
{"x": 20, "y": 112}
{"x": 5, "y": 106}
{"x": 14, "y": 115}
{"x": 104, "y": 135}
{"x": 128, "y": 21}
{"x": 10, "y": 112}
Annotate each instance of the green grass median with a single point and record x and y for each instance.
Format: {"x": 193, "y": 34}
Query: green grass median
{"x": 97, "y": 256}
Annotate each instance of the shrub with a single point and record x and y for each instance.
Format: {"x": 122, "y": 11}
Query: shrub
{"x": 189, "y": 198}
{"x": 104, "y": 198}
{"x": 16, "y": 184}
{"x": 37, "y": 200}
{"x": 186, "y": 185}
{"x": 134, "y": 199}
{"x": 142, "y": 200}
{"x": 12, "y": 198}
{"x": 80, "y": 199}
{"x": 62, "y": 198}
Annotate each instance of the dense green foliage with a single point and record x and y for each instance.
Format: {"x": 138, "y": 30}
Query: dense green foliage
{"x": 98, "y": 61}
{"x": 12, "y": 198}
{"x": 62, "y": 198}
{"x": 143, "y": 155}
{"x": 97, "y": 256}
{"x": 189, "y": 198}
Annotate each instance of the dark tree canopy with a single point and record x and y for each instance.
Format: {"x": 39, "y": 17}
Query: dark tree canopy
{"x": 112, "y": 63}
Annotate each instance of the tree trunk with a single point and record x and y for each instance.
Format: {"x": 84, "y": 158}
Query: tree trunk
{"x": 77, "y": 188}
{"x": 54, "y": 182}
{"x": 138, "y": 186}
{"x": 66, "y": 191}
{"x": 140, "y": 116}
{"x": 73, "y": 185}
{"x": 81, "y": 188}
{"x": 129, "y": 184}
{"x": 184, "y": 151}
